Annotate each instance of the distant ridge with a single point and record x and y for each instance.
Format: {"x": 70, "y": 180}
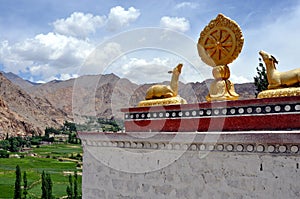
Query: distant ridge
{"x": 49, "y": 104}
{"x": 113, "y": 93}
{"x": 24, "y": 84}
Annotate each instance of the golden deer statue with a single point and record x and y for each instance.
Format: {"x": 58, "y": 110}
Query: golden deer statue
{"x": 164, "y": 91}
{"x": 278, "y": 79}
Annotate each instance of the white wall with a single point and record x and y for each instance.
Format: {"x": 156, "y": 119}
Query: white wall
{"x": 120, "y": 168}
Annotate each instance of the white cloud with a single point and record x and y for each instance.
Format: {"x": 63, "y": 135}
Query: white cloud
{"x": 175, "y": 23}
{"x": 48, "y": 79}
{"x": 140, "y": 70}
{"x": 62, "y": 77}
{"x": 186, "y": 4}
{"x": 155, "y": 69}
{"x": 239, "y": 79}
{"x": 66, "y": 76}
{"x": 39, "y": 81}
{"x": 79, "y": 24}
{"x": 60, "y": 54}
{"x": 119, "y": 17}
{"x": 45, "y": 55}
{"x": 101, "y": 58}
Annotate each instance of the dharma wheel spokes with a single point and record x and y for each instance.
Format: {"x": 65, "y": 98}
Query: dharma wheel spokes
{"x": 219, "y": 44}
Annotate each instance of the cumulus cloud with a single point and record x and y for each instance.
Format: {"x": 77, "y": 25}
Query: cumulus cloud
{"x": 59, "y": 54}
{"x": 155, "y": 69}
{"x": 98, "y": 60}
{"x": 79, "y": 24}
{"x": 66, "y": 76}
{"x": 239, "y": 79}
{"x": 175, "y": 23}
{"x": 45, "y": 55}
{"x": 186, "y": 4}
{"x": 142, "y": 70}
{"x": 119, "y": 17}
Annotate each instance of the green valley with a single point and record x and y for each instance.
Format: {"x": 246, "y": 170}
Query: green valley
{"x": 59, "y": 160}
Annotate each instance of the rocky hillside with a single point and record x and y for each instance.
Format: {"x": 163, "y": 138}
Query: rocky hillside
{"x": 25, "y": 114}
{"x": 11, "y": 123}
{"x": 27, "y": 108}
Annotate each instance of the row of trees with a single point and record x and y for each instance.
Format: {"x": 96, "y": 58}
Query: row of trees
{"x": 15, "y": 144}
{"x": 21, "y": 193}
{"x": 72, "y": 188}
{"x": 68, "y": 128}
{"x": 47, "y": 185}
{"x": 101, "y": 124}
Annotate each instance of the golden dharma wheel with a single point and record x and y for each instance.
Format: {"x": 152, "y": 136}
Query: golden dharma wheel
{"x": 220, "y": 42}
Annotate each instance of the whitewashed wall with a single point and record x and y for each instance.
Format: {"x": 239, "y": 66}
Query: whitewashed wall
{"x": 264, "y": 165}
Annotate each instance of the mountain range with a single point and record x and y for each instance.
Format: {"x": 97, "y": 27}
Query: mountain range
{"x": 28, "y": 108}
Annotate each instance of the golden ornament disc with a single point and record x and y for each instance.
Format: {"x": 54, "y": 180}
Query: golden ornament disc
{"x": 220, "y": 42}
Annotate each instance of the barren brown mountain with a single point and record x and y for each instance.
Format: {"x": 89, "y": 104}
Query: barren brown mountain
{"x": 105, "y": 95}
{"x": 196, "y": 92}
{"x": 91, "y": 95}
{"x": 24, "y": 84}
{"x": 50, "y": 104}
{"x": 24, "y": 114}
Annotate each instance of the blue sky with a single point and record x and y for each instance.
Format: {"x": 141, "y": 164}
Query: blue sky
{"x": 55, "y": 39}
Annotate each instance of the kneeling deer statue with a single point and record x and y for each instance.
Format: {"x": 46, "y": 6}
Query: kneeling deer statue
{"x": 164, "y": 91}
{"x": 278, "y": 79}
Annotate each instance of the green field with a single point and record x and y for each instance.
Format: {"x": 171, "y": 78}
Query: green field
{"x": 57, "y": 159}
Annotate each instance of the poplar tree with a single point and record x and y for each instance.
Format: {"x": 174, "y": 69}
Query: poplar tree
{"x": 261, "y": 80}
{"x": 17, "y": 192}
{"x": 49, "y": 186}
{"x": 46, "y": 186}
{"x": 69, "y": 192}
{"x": 72, "y": 188}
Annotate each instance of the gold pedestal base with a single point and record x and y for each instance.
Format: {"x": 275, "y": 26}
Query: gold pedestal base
{"x": 162, "y": 102}
{"x": 280, "y": 92}
{"x": 221, "y": 90}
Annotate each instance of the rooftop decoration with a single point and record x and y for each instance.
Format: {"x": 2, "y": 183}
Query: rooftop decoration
{"x": 281, "y": 84}
{"x": 164, "y": 94}
{"x": 219, "y": 44}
